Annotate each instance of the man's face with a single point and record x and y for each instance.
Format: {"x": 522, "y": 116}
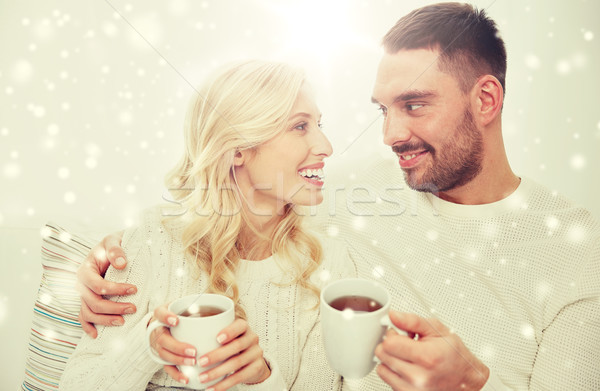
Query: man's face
{"x": 428, "y": 121}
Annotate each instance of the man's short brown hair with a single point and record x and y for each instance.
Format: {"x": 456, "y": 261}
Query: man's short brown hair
{"x": 467, "y": 39}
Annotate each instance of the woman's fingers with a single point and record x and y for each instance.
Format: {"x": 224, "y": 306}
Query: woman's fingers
{"x": 165, "y": 316}
{"x": 170, "y": 349}
{"x": 229, "y": 349}
{"x": 251, "y": 371}
{"x": 176, "y": 374}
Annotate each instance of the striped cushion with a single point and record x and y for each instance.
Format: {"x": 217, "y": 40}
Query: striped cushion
{"x": 55, "y": 330}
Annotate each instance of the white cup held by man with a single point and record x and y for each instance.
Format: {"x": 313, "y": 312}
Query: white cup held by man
{"x": 351, "y": 335}
{"x": 201, "y": 318}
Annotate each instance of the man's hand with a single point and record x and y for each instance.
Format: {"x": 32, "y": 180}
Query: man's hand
{"x": 95, "y": 309}
{"x": 437, "y": 360}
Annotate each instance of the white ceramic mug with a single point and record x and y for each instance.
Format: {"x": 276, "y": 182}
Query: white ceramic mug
{"x": 201, "y": 332}
{"x": 350, "y": 337}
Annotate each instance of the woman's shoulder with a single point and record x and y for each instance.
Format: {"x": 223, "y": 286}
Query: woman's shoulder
{"x": 154, "y": 225}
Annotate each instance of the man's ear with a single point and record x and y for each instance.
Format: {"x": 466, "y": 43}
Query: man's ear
{"x": 489, "y": 97}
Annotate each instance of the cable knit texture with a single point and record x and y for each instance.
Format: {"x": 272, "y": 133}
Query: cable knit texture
{"x": 518, "y": 280}
{"x": 282, "y": 315}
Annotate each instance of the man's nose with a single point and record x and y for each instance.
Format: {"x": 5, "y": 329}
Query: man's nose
{"x": 395, "y": 130}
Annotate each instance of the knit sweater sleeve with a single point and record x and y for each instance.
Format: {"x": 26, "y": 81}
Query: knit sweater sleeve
{"x": 118, "y": 359}
{"x": 569, "y": 353}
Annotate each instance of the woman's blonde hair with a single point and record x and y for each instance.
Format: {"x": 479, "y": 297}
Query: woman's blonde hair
{"x": 240, "y": 108}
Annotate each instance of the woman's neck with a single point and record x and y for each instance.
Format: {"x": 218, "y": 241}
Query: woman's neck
{"x": 255, "y": 242}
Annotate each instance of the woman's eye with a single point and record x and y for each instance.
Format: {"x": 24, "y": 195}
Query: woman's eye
{"x": 383, "y": 110}
{"x": 301, "y": 126}
{"x": 413, "y": 107}
{"x": 321, "y": 125}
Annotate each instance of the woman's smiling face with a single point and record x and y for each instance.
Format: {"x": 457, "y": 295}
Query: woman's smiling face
{"x": 289, "y": 167}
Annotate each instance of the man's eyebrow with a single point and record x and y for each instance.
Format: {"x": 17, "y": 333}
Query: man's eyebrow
{"x": 410, "y": 95}
{"x": 414, "y": 94}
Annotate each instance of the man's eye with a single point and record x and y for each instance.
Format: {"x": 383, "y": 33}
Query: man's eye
{"x": 383, "y": 110}
{"x": 413, "y": 107}
{"x": 321, "y": 125}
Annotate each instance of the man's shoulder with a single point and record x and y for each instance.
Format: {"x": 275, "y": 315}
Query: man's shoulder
{"x": 548, "y": 202}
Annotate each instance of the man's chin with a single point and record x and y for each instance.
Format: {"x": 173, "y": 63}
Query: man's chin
{"x": 418, "y": 184}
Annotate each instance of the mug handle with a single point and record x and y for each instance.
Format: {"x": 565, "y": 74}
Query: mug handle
{"x": 386, "y": 321}
{"x": 151, "y": 327}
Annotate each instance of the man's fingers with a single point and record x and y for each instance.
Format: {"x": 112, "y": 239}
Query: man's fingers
{"x": 88, "y": 328}
{"x": 396, "y": 360}
{"x": 99, "y": 305}
{"x": 87, "y": 315}
{"x": 89, "y": 278}
{"x": 114, "y": 251}
{"x": 412, "y": 323}
{"x": 393, "y": 379}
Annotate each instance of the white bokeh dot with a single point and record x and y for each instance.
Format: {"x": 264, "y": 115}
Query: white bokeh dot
{"x": 378, "y": 271}
{"x": 532, "y": 61}
{"x": 325, "y": 275}
{"x": 3, "y": 308}
{"x": 91, "y": 162}
{"x": 588, "y": 35}
{"x": 45, "y": 298}
{"x": 125, "y": 117}
{"x": 45, "y": 232}
{"x": 6, "y": 132}
{"x": 69, "y": 197}
{"x": 578, "y": 162}
{"x": 53, "y": 129}
{"x": 576, "y": 234}
{"x": 359, "y": 222}
{"x": 552, "y": 222}
{"x": 39, "y": 111}
{"x": 130, "y": 189}
{"x": 432, "y": 235}
{"x": 563, "y": 67}
{"x": 527, "y": 331}
{"x": 109, "y": 29}
{"x": 22, "y": 71}
{"x": 12, "y": 170}
{"x": 30, "y": 212}
{"x": 63, "y": 173}
{"x": 333, "y": 230}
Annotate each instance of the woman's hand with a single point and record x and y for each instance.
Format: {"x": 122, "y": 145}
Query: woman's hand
{"x": 168, "y": 348}
{"x": 240, "y": 355}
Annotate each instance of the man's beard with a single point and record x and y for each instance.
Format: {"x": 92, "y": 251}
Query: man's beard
{"x": 453, "y": 164}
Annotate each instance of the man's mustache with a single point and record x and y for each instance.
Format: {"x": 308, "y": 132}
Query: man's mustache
{"x": 409, "y": 147}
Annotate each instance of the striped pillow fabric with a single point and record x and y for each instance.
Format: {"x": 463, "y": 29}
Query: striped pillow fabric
{"x": 55, "y": 330}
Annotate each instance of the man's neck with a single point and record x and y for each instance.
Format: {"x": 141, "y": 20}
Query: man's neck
{"x": 495, "y": 182}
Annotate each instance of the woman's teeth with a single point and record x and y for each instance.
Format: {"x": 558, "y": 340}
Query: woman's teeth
{"x": 308, "y": 173}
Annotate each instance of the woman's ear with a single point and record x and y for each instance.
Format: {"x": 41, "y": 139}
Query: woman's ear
{"x": 239, "y": 158}
{"x": 489, "y": 99}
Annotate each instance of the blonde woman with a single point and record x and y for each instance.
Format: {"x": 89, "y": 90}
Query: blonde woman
{"x": 254, "y": 153}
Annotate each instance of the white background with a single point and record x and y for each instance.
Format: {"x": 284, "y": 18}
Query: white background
{"x": 93, "y": 95}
